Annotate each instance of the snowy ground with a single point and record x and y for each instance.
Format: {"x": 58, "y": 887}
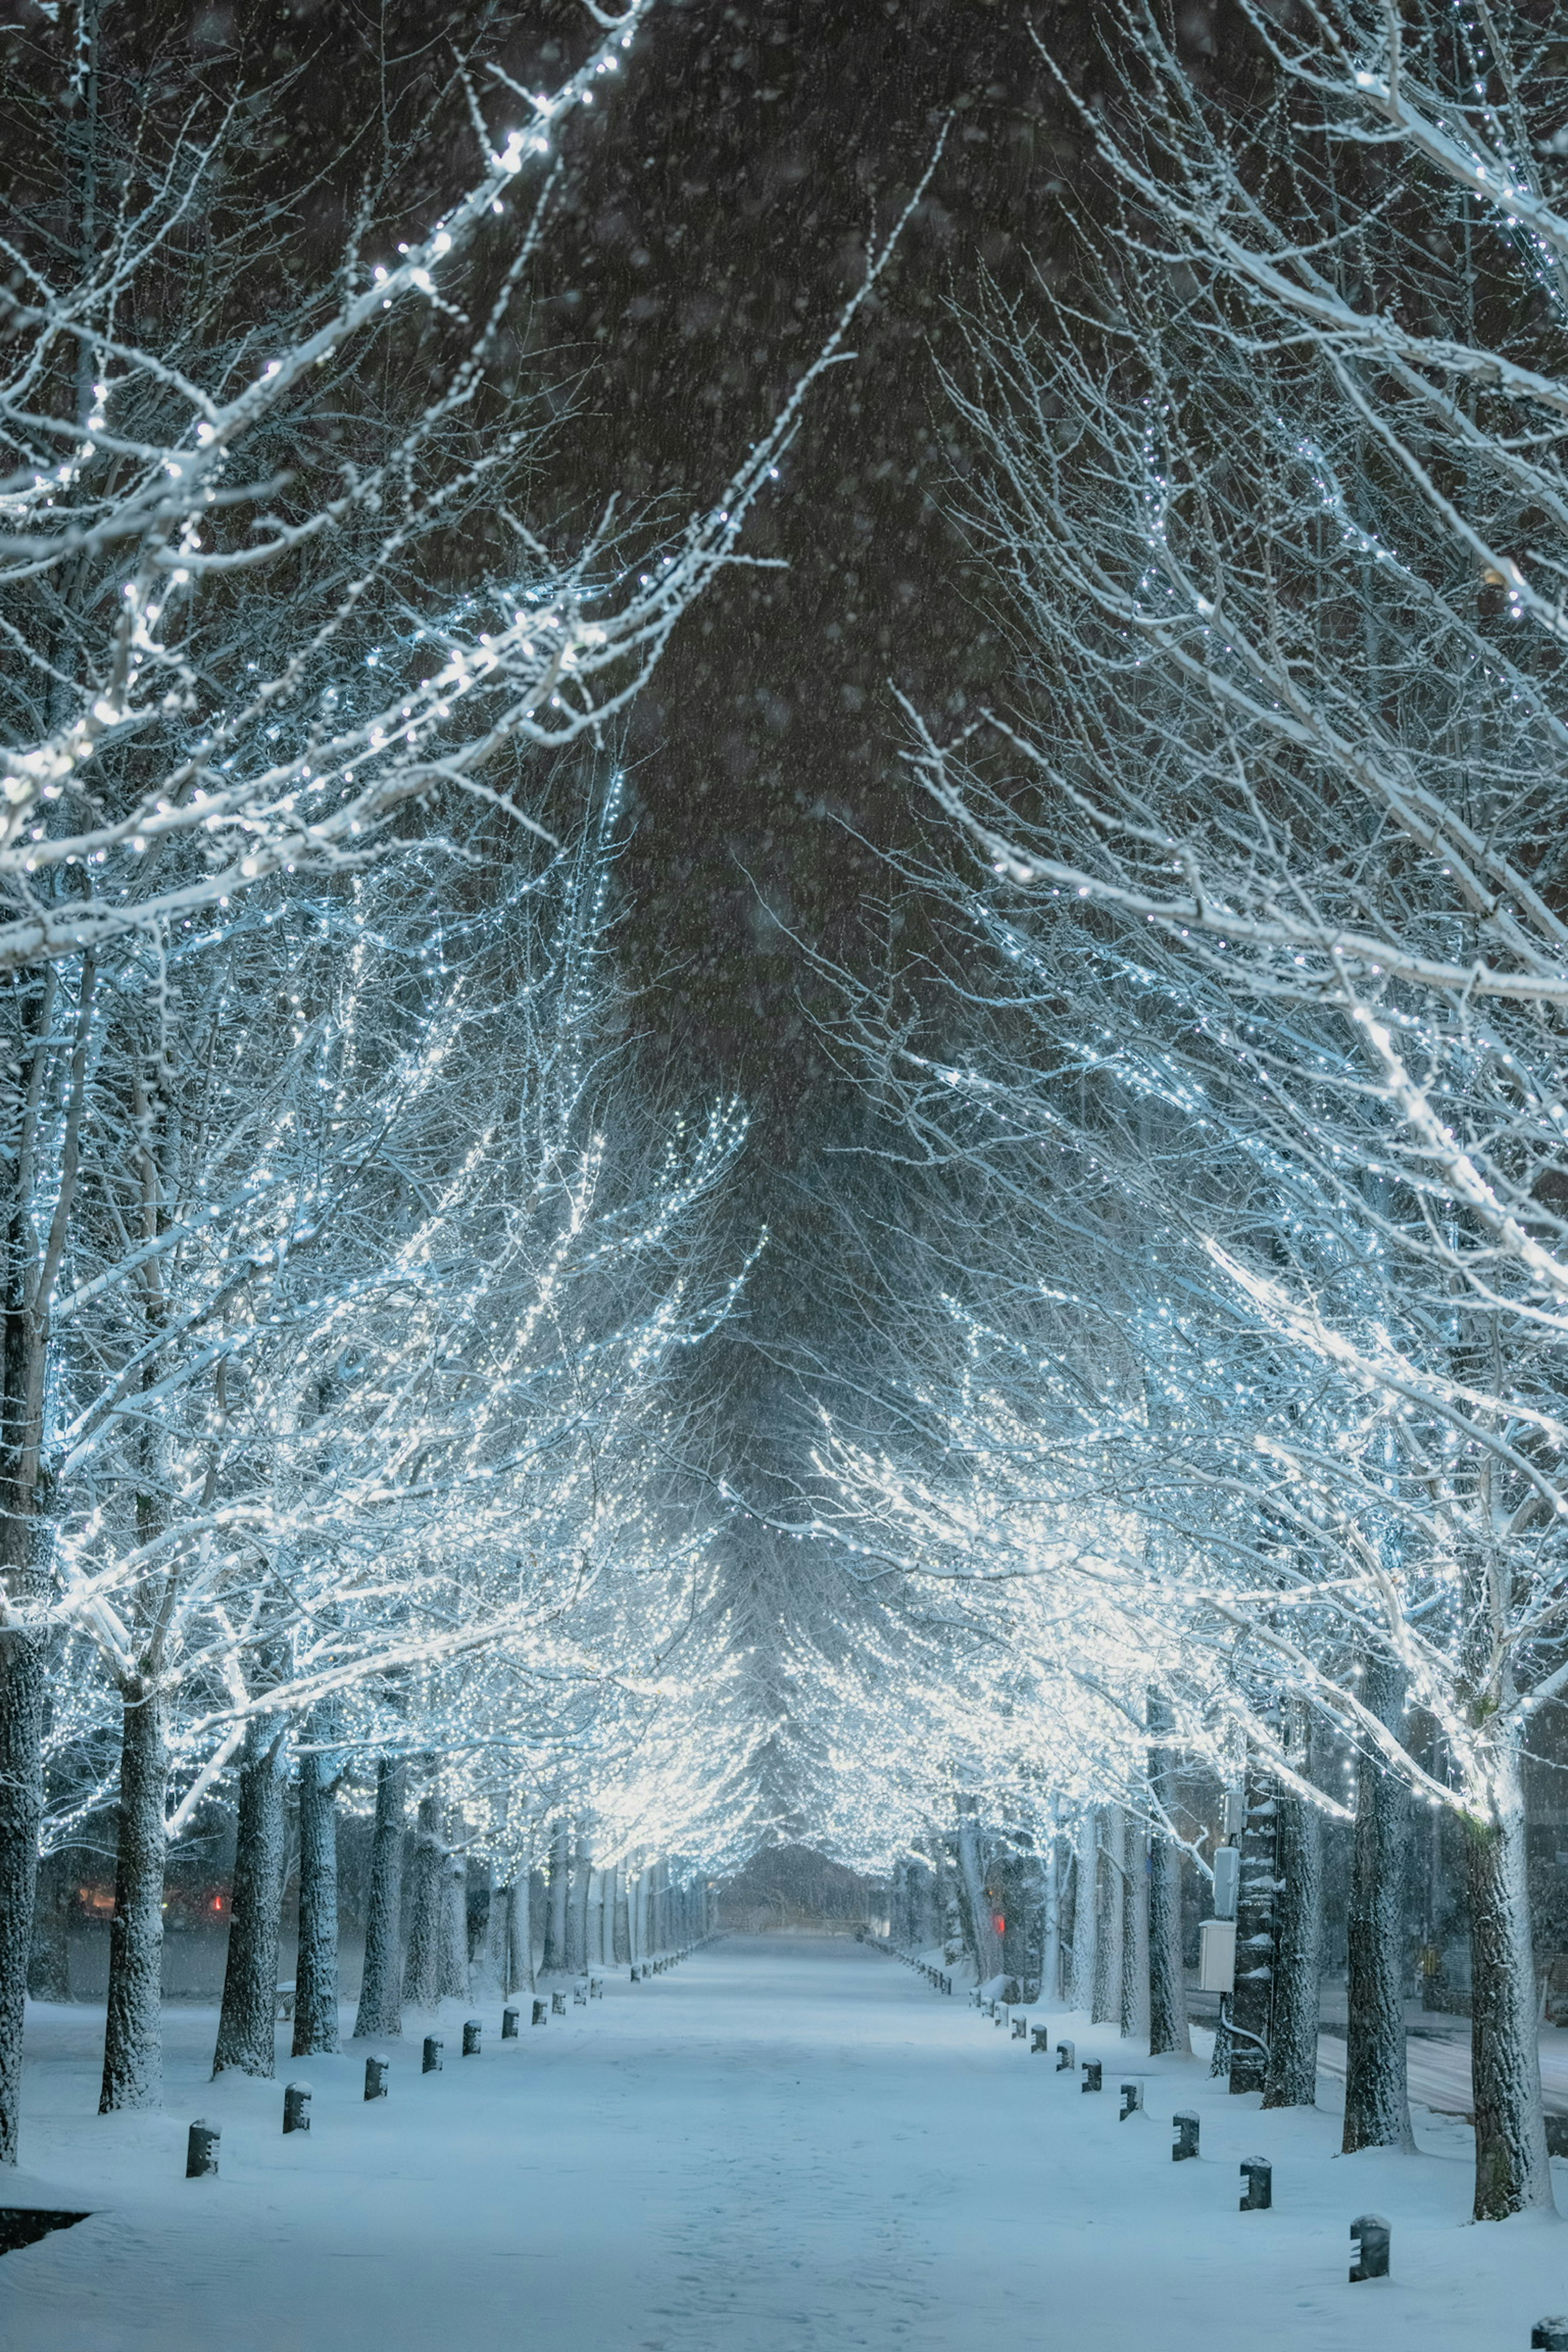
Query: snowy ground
{"x": 785, "y": 2143}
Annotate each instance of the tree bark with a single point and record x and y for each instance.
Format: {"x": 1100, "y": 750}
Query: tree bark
{"x": 1169, "y": 2035}
{"x": 316, "y": 1963}
{"x": 26, "y": 1532}
{"x": 560, "y": 1885}
{"x": 622, "y": 1936}
{"x": 1512, "y": 2174}
{"x": 478, "y": 1900}
{"x": 1252, "y": 2002}
{"x": 247, "y": 2025}
{"x": 134, "y": 2038}
{"x": 983, "y": 1940}
{"x": 638, "y": 1908}
{"x": 380, "y": 2011}
{"x": 1377, "y": 2106}
{"x": 518, "y": 1949}
{"x": 1135, "y": 1935}
{"x": 452, "y": 1980}
{"x": 1051, "y": 1944}
{"x": 942, "y": 1894}
{"x": 1108, "y": 1912}
{"x": 48, "y": 1970}
{"x": 1293, "y": 2043}
{"x": 538, "y": 1910}
{"x": 21, "y": 1810}
{"x": 577, "y": 1908}
{"x": 422, "y": 1966}
{"x": 1086, "y": 1912}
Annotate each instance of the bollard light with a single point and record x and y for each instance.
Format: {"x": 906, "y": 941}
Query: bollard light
{"x": 1067, "y": 2057}
{"x": 297, "y": 2106}
{"x": 1042, "y": 2041}
{"x": 375, "y": 2073}
{"x": 1369, "y": 2233}
{"x": 1550, "y": 2335}
{"x": 1258, "y": 2175}
{"x": 595, "y": 1987}
{"x": 1187, "y": 2139}
{"x": 540, "y": 2011}
{"x": 434, "y": 2050}
{"x": 1093, "y": 2070}
{"x": 1131, "y": 2101}
{"x": 557, "y": 2004}
{"x": 201, "y": 2150}
{"x": 472, "y": 2029}
{"x": 1020, "y": 2028}
{"x": 509, "y": 2019}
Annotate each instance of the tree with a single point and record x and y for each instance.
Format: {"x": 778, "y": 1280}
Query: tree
{"x": 1280, "y": 776}
{"x": 278, "y": 614}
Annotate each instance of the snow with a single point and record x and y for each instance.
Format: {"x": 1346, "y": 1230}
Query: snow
{"x": 786, "y": 2142}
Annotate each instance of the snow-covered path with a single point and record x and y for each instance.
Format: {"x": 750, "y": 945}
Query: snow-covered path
{"x": 785, "y": 2143}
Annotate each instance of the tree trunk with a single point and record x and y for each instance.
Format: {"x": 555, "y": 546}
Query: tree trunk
{"x": 380, "y": 2011}
{"x": 1169, "y": 2035}
{"x": 421, "y": 1968}
{"x": 132, "y": 2039}
{"x": 1086, "y": 1912}
{"x": 1252, "y": 2003}
{"x": 577, "y": 1909}
{"x": 622, "y": 1933}
{"x": 983, "y": 1940}
{"x": 478, "y": 1899}
{"x": 1135, "y": 1936}
{"x": 1051, "y": 1945}
{"x": 1378, "y": 2107}
{"x": 48, "y": 1970}
{"x": 538, "y": 1911}
{"x": 21, "y": 1810}
{"x": 1293, "y": 2042}
{"x": 1512, "y": 2174}
{"x": 923, "y": 1929}
{"x": 452, "y": 1982}
{"x": 316, "y": 1963}
{"x": 560, "y": 1883}
{"x": 1108, "y": 1913}
{"x": 942, "y": 1896}
{"x": 517, "y": 1964}
{"x": 247, "y": 2025}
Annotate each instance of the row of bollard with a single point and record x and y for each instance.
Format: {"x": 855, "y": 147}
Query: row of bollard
{"x": 937, "y": 1980}
{"x": 1369, "y": 2233}
{"x": 204, "y": 2138}
{"x": 640, "y": 1975}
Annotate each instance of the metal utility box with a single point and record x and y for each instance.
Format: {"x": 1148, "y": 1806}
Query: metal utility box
{"x": 1216, "y": 1956}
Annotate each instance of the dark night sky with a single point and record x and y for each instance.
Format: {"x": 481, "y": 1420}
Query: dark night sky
{"x": 720, "y": 211}
{"x": 723, "y": 204}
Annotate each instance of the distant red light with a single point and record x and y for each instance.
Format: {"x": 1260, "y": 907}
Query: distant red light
{"x": 999, "y": 1923}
